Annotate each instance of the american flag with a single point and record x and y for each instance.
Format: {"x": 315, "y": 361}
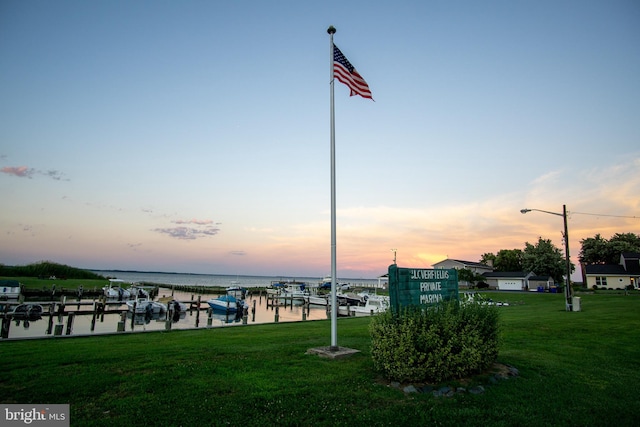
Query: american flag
{"x": 344, "y": 72}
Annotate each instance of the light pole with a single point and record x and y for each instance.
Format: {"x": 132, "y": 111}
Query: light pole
{"x": 567, "y": 289}
{"x": 394, "y": 255}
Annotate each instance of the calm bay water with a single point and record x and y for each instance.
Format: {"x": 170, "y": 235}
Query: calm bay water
{"x": 219, "y": 279}
{"x": 191, "y": 319}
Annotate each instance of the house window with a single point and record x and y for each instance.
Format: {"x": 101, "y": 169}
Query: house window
{"x": 601, "y": 281}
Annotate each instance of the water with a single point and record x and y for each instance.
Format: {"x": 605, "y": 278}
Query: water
{"x": 191, "y": 319}
{"x": 109, "y": 322}
{"x": 220, "y": 280}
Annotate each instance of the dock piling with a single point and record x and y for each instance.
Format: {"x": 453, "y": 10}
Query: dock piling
{"x": 70, "y": 319}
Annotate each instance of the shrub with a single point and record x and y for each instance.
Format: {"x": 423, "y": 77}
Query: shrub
{"x": 443, "y": 342}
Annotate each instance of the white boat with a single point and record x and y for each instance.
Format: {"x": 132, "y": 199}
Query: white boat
{"x": 225, "y": 304}
{"x": 145, "y": 306}
{"x": 317, "y": 300}
{"x": 275, "y": 288}
{"x": 296, "y": 290}
{"x": 115, "y": 290}
{"x": 238, "y": 292}
{"x": 375, "y": 304}
{"x": 9, "y": 289}
{"x": 177, "y": 306}
{"x": 343, "y": 310}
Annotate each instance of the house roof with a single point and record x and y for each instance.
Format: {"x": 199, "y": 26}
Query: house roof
{"x": 611, "y": 269}
{"x": 507, "y": 274}
{"x": 630, "y": 255}
{"x": 465, "y": 263}
{"x": 631, "y": 262}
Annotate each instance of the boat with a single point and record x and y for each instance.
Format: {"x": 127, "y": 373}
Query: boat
{"x": 343, "y": 310}
{"x": 27, "y": 311}
{"x": 177, "y": 306}
{"x": 350, "y": 298}
{"x": 296, "y": 290}
{"x": 317, "y": 300}
{"x": 145, "y": 306}
{"x": 325, "y": 283}
{"x": 374, "y": 304}
{"x": 225, "y": 304}
{"x": 238, "y": 292}
{"x": 115, "y": 290}
{"x": 10, "y": 289}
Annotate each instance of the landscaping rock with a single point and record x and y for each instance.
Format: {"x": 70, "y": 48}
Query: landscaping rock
{"x": 477, "y": 390}
{"x": 505, "y": 371}
{"x": 410, "y": 389}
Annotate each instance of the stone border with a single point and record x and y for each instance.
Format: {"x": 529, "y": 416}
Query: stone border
{"x": 448, "y": 391}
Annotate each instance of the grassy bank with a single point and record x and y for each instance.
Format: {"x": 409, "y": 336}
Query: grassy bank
{"x": 575, "y": 369}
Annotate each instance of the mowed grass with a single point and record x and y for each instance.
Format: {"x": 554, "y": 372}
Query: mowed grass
{"x": 576, "y": 369}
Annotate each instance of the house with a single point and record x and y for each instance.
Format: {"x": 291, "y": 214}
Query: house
{"x": 509, "y": 280}
{"x": 476, "y": 267}
{"x": 614, "y": 276}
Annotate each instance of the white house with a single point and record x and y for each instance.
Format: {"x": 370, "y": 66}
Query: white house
{"x": 476, "y": 267}
{"x": 614, "y": 276}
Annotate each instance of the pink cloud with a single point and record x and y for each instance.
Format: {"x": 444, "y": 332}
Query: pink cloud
{"x": 19, "y": 171}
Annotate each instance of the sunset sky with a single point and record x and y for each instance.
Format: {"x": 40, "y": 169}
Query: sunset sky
{"x": 193, "y": 136}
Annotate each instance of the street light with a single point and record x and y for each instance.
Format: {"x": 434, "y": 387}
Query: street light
{"x": 567, "y": 289}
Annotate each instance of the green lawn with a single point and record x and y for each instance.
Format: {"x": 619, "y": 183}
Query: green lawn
{"x": 575, "y": 369}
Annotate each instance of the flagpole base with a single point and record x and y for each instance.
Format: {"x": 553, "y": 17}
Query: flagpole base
{"x": 333, "y": 352}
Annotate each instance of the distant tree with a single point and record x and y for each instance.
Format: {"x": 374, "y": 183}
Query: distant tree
{"x": 508, "y": 260}
{"x": 594, "y": 250}
{"x": 488, "y": 258}
{"x": 48, "y": 269}
{"x": 622, "y": 242}
{"x": 505, "y": 260}
{"x": 598, "y": 250}
{"x": 544, "y": 259}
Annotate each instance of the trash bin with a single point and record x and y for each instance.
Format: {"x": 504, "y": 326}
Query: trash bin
{"x": 540, "y": 289}
{"x": 576, "y": 304}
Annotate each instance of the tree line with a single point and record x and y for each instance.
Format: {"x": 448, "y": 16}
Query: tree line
{"x": 46, "y": 269}
{"x": 545, "y": 259}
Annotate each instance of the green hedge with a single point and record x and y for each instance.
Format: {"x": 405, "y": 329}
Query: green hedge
{"x": 444, "y": 342}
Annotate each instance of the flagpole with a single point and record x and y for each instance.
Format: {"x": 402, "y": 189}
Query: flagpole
{"x": 334, "y": 300}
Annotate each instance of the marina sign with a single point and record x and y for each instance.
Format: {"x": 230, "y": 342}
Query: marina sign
{"x": 421, "y": 286}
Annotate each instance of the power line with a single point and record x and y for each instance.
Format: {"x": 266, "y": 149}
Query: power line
{"x": 615, "y": 216}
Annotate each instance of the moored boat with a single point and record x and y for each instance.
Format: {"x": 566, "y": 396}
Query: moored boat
{"x": 10, "y": 289}
{"x": 145, "y": 306}
{"x": 238, "y": 292}
{"x": 27, "y": 311}
{"x": 317, "y": 300}
{"x": 116, "y": 290}
{"x": 374, "y": 304}
{"x": 225, "y": 304}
